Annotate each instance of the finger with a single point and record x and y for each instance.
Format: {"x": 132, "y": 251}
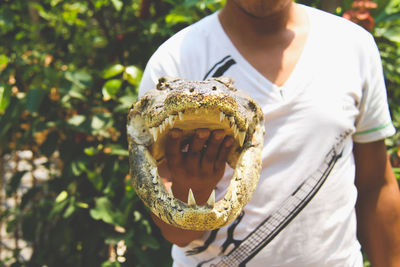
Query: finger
{"x": 211, "y": 153}
{"x": 195, "y": 149}
{"x": 223, "y": 153}
{"x": 173, "y": 149}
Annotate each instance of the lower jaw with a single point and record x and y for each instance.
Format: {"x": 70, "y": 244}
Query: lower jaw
{"x": 151, "y": 190}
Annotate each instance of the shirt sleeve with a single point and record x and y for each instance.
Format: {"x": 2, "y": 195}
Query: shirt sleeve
{"x": 161, "y": 64}
{"x": 374, "y": 121}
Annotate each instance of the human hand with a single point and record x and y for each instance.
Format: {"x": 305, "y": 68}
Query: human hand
{"x": 199, "y": 167}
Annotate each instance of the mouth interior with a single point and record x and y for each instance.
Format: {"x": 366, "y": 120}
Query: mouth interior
{"x": 149, "y": 148}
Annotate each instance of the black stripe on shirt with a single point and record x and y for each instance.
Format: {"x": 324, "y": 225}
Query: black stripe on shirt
{"x": 222, "y": 66}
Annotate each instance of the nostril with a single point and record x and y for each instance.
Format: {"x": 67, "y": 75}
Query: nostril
{"x": 214, "y": 88}
{"x": 191, "y": 90}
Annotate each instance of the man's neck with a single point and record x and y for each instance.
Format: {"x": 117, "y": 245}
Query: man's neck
{"x": 236, "y": 22}
{"x": 271, "y": 44}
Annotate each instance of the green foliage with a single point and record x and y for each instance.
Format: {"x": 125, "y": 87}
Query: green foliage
{"x": 387, "y": 34}
{"x": 69, "y": 71}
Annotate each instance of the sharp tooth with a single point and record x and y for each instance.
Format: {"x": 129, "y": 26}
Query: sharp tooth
{"x": 170, "y": 191}
{"x": 155, "y": 181}
{"x": 221, "y": 116}
{"x": 171, "y": 120}
{"x": 211, "y": 199}
{"x": 163, "y": 125}
{"x": 242, "y": 136}
{"x": 235, "y": 130}
{"x": 180, "y": 114}
{"x": 191, "y": 201}
{"x": 155, "y": 133}
{"x": 231, "y": 121}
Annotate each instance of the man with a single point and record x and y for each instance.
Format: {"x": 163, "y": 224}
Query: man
{"x": 319, "y": 82}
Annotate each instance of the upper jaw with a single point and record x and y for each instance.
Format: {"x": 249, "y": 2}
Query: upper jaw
{"x": 141, "y": 131}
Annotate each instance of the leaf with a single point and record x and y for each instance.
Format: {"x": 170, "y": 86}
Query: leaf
{"x": 78, "y": 166}
{"x": 111, "y": 264}
{"x": 128, "y": 100}
{"x": 82, "y": 205}
{"x": 176, "y": 18}
{"x": 76, "y": 120}
{"x": 99, "y": 124}
{"x": 112, "y": 71}
{"x": 53, "y": 3}
{"x": 133, "y": 75}
{"x": 82, "y": 79}
{"x": 57, "y": 209}
{"x": 62, "y": 196}
{"x": 3, "y": 62}
{"x": 72, "y": 90}
{"x": 393, "y": 34}
{"x": 91, "y": 151}
{"x": 111, "y": 87}
{"x": 34, "y": 99}
{"x": 387, "y": 17}
{"x": 5, "y": 96}
{"x": 105, "y": 211}
{"x": 117, "y": 4}
{"x": 119, "y": 150}
{"x": 70, "y": 209}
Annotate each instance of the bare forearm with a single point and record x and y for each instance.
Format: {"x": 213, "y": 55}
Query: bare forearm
{"x": 177, "y": 236}
{"x": 378, "y": 212}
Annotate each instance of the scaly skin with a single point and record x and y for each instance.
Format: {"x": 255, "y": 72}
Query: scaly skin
{"x": 188, "y": 105}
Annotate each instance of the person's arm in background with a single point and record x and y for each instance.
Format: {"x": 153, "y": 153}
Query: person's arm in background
{"x": 198, "y": 169}
{"x": 378, "y": 204}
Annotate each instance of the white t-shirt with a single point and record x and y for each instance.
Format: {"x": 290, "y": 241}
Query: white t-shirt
{"x": 336, "y": 89}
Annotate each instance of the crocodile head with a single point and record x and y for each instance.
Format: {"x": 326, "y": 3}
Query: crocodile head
{"x": 189, "y": 105}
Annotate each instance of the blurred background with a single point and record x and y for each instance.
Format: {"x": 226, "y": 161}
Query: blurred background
{"x": 69, "y": 71}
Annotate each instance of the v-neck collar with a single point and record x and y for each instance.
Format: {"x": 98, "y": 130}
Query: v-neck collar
{"x": 296, "y": 74}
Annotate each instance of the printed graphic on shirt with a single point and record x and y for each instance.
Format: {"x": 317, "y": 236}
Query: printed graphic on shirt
{"x": 244, "y": 250}
{"x": 220, "y": 67}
